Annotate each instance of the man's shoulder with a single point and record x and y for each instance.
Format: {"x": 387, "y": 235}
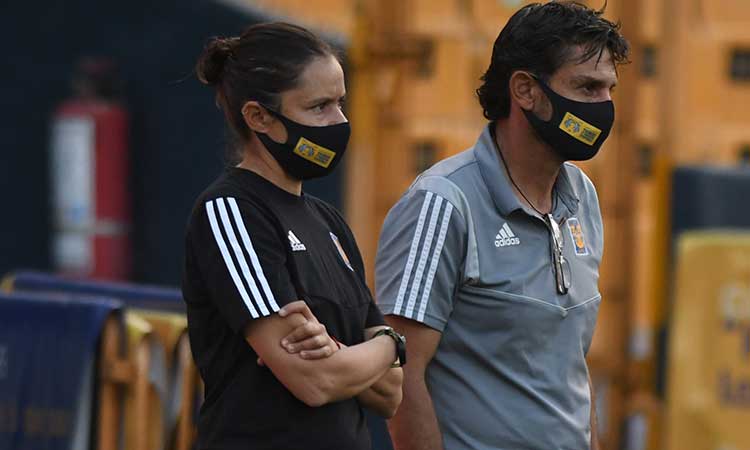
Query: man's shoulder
{"x": 449, "y": 177}
{"x": 581, "y": 183}
{"x": 453, "y": 166}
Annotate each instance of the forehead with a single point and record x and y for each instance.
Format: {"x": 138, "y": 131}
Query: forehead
{"x": 598, "y": 67}
{"x": 322, "y": 77}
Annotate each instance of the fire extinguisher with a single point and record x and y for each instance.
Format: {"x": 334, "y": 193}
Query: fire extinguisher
{"x": 90, "y": 169}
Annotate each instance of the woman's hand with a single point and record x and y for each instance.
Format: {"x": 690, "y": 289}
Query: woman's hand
{"x": 310, "y": 339}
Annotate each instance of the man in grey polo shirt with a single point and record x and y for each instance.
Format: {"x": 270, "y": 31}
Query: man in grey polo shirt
{"x": 489, "y": 263}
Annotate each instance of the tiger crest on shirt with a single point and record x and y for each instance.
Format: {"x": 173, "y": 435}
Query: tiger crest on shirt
{"x": 576, "y": 234}
{"x": 342, "y": 253}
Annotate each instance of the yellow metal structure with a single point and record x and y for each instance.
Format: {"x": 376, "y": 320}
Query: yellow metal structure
{"x": 143, "y": 403}
{"x": 709, "y": 375}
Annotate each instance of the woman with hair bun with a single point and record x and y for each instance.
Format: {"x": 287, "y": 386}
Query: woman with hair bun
{"x": 283, "y": 328}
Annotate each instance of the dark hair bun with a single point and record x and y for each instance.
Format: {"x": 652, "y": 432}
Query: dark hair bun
{"x": 212, "y": 61}
{"x": 266, "y": 60}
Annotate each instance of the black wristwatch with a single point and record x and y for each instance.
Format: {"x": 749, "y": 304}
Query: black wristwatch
{"x": 400, "y": 344}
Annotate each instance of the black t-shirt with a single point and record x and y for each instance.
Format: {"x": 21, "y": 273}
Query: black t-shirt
{"x": 251, "y": 248}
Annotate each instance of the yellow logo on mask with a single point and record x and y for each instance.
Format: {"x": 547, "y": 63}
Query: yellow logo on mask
{"x": 314, "y": 153}
{"x": 580, "y": 129}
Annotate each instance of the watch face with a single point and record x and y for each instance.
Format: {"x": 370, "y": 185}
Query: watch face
{"x": 400, "y": 341}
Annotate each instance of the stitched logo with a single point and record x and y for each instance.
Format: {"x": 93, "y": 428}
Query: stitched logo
{"x": 297, "y": 245}
{"x": 505, "y": 237}
{"x": 576, "y": 234}
{"x": 342, "y": 253}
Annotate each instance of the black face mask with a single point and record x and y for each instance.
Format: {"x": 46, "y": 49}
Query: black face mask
{"x": 576, "y": 130}
{"x": 309, "y": 152}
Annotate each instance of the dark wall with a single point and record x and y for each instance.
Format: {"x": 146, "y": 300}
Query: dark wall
{"x": 177, "y": 136}
{"x": 710, "y": 198}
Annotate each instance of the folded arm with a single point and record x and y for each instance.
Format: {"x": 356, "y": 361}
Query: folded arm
{"x": 384, "y": 396}
{"x": 344, "y": 374}
{"x": 311, "y": 341}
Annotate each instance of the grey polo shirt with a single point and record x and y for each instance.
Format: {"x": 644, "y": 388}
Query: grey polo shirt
{"x": 460, "y": 254}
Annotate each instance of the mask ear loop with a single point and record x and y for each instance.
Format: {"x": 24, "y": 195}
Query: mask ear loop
{"x": 278, "y": 116}
{"x": 270, "y": 110}
{"x": 542, "y": 84}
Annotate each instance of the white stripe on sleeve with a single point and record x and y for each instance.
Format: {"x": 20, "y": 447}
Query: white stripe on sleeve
{"x": 412, "y": 253}
{"x": 228, "y": 259}
{"x": 241, "y": 257}
{"x": 434, "y": 263}
{"x": 253, "y": 256}
{"x": 426, "y": 245}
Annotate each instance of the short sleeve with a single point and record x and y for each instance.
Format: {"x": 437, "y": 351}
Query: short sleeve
{"x": 240, "y": 258}
{"x": 374, "y": 316}
{"x": 420, "y": 258}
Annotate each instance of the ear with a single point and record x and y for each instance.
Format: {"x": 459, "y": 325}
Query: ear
{"x": 256, "y": 117}
{"x": 524, "y": 90}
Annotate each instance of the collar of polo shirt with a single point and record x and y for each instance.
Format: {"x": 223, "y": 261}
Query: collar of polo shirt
{"x": 496, "y": 178}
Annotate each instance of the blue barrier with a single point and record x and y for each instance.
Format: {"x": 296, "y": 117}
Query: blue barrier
{"x": 146, "y": 297}
{"x": 48, "y": 349}
{"x": 132, "y": 295}
{"x": 148, "y": 303}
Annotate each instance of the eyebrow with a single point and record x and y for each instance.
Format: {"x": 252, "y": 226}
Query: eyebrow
{"x": 584, "y": 79}
{"x": 319, "y": 100}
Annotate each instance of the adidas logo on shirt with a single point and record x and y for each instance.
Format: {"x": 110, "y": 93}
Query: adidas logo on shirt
{"x": 297, "y": 245}
{"x": 505, "y": 237}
